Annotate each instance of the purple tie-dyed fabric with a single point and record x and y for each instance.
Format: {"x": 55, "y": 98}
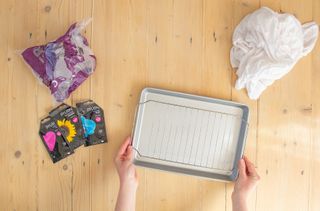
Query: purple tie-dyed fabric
{"x": 62, "y": 65}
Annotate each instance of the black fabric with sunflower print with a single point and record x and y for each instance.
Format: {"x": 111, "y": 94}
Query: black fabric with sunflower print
{"x": 69, "y": 124}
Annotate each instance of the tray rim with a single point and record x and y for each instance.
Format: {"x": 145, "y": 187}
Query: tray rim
{"x": 207, "y": 175}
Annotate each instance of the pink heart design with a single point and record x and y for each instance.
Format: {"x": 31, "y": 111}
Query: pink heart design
{"x": 75, "y": 119}
{"x": 50, "y": 139}
{"x": 98, "y": 119}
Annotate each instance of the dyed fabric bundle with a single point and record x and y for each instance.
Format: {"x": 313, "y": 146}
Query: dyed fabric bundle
{"x": 62, "y": 65}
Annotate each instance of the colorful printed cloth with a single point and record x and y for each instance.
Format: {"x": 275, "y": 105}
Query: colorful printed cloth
{"x": 62, "y": 65}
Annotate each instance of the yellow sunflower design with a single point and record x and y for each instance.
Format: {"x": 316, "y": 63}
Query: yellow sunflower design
{"x": 68, "y": 129}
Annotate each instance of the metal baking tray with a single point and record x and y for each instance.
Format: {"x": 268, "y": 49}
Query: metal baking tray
{"x": 189, "y": 134}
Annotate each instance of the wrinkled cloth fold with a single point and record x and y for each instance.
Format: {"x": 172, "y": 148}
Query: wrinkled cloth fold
{"x": 266, "y": 46}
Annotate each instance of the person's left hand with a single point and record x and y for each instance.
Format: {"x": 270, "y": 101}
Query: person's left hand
{"x": 126, "y": 169}
{"x": 247, "y": 180}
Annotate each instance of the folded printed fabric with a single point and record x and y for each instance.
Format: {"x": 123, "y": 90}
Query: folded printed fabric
{"x": 62, "y": 65}
{"x": 266, "y": 46}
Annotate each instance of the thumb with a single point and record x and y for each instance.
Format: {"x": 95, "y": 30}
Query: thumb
{"x": 242, "y": 168}
{"x": 130, "y": 153}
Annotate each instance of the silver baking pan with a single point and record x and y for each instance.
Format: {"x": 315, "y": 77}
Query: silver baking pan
{"x": 189, "y": 134}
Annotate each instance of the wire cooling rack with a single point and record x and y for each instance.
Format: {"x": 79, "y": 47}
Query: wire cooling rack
{"x": 205, "y": 139}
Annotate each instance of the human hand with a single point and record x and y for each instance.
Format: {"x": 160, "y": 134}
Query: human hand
{"x": 128, "y": 177}
{"x": 126, "y": 169}
{"x": 246, "y": 182}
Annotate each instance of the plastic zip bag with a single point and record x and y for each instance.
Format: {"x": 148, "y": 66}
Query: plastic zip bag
{"x": 64, "y": 64}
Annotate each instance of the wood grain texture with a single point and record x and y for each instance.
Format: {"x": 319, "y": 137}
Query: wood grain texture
{"x": 6, "y": 155}
{"x": 285, "y": 114}
{"x": 314, "y": 182}
{"x": 172, "y": 44}
{"x": 19, "y": 152}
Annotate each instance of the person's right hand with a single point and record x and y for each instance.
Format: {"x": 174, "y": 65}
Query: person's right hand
{"x": 126, "y": 169}
{"x": 247, "y": 180}
{"x": 128, "y": 177}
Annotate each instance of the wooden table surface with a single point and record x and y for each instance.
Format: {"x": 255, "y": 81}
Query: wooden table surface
{"x": 173, "y": 44}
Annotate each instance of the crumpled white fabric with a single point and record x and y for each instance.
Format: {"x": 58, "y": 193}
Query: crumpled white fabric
{"x": 266, "y": 45}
